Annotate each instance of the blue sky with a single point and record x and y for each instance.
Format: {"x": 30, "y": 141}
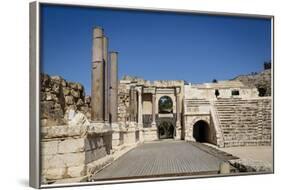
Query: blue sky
{"x": 154, "y": 45}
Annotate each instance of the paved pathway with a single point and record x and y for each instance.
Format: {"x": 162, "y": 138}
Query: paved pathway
{"x": 164, "y": 158}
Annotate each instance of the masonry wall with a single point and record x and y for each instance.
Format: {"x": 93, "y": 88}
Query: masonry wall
{"x": 70, "y": 150}
{"x": 57, "y": 96}
{"x": 67, "y": 152}
{"x": 123, "y": 102}
{"x": 245, "y": 122}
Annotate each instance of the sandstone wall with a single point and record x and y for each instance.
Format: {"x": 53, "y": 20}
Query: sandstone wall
{"x": 245, "y": 122}
{"x": 57, "y": 96}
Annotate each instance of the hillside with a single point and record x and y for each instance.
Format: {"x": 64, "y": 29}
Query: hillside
{"x": 262, "y": 81}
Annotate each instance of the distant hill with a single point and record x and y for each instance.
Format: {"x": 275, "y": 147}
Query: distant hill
{"x": 262, "y": 81}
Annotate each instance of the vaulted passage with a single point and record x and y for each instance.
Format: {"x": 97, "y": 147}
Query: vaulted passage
{"x": 201, "y": 131}
{"x": 166, "y": 130}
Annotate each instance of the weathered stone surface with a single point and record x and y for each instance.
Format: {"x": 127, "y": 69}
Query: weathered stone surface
{"x": 66, "y": 91}
{"x": 62, "y": 131}
{"x": 56, "y": 88}
{"x": 87, "y": 99}
{"x": 76, "y": 171}
{"x": 57, "y": 96}
{"x": 69, "y": 100}
{"x": 74, "y": 159}
{"x": 52, "y": 162}
{"x": 75, "y": 93}
{"x": 94, "y": 167}
{"x": 55, "y": 173}
{"x": 79, "y": 120}
{"x": 247, "y": 165}
{"x": 63, "y": 160}
{"x": 49, "y": 147}
{"x": 51, "y": 112}
{"x": 73, "y": 85}
{"x": 224, "y": 168}
{"x": 80, "y": 102}
{"x": 71, "y": 145}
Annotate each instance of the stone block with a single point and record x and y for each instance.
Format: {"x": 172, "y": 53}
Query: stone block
{"x": 76, "y": 171}
{"x": 69, "y": 100}
{"x": 71, "y": 145}
{"x": 54, "y": 173}
{"x": 65, "y": 91}
{"x": 63, "y": 160}
{"x": 80, "y": 102}
{"x": 52, "y": 161}
{"x": 73, "y": 159}
{"x": 75, "y": 93}
{"x": 62, "y": 131}
{"x": 49, "y": 147}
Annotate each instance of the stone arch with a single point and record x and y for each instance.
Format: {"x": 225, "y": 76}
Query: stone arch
{"x": 166, "y": 130}
{"x": 159, "y": 95}
{"x": 165, "y": 104}
{"x": 203, "y": 130}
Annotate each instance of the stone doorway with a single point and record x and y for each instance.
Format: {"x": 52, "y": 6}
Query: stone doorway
{"x": 201, "y": 131}
{"x": 166, "y": 130}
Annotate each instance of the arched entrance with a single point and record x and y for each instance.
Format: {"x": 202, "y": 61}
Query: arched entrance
{"x": 165, "y": 105}
{"x": 166, "y": 130}
{"x": 201, "y": 131}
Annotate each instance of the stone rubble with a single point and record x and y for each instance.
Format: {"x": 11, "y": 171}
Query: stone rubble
{"x": 248, "y": 165}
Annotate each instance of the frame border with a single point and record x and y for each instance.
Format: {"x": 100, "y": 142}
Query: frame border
{"x": 34, "y": 91}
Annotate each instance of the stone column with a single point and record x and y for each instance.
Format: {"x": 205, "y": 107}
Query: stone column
{"x": 135, "y": 105}
{"x": 140, "y": 106}
{"x": 132, "y": 104}
{"x": 178, "y": 110}
{"x": 140, "y": 121}
{"x": 97, "y": 112}
{"x": 106, "y": 79}
{"x": 153, "y": 124}
{"x": 113, "y": 86}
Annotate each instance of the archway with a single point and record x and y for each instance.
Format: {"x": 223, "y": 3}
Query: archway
{"x": 166, "y": 130}
{"x": 201, "y": 131}
{"x": 165, "y": 105}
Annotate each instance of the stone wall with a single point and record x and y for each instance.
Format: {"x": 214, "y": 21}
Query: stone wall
{"x": 58, "y": 96}
{"x": 245, "y": 122}
{"x": 123, "y": 102}
{"x": 68, "y": 151}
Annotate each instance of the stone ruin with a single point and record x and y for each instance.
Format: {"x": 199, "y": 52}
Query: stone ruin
{"x": 58, "y": 97}
{"x": 82, "y": 134}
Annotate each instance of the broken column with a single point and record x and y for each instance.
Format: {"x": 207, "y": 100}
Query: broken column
{"x": 113, "y": 86}
{"x": 106, "y": 79}
{"x": 97, "y": 112}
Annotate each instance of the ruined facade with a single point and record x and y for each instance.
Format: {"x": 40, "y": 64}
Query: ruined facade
{"x": 82, "y": 134}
